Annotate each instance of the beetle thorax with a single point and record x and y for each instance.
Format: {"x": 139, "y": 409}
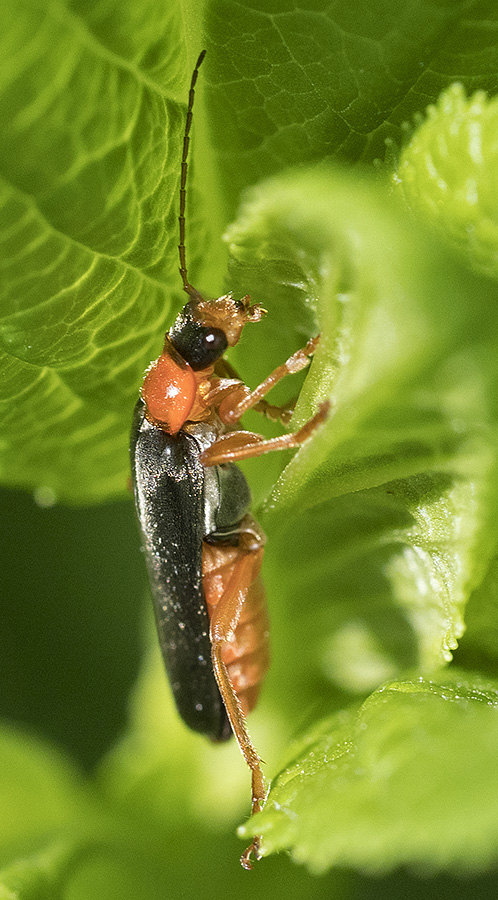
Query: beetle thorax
{"x": 169, "y": 391}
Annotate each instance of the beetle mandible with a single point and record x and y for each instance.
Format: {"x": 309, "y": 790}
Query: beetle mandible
{"x": 203, "y": 548}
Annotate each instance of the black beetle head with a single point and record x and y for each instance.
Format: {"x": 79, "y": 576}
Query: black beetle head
{"x": 199, "y": 345}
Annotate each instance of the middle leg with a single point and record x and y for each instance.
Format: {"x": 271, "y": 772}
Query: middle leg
{"x": 237, "y": 445}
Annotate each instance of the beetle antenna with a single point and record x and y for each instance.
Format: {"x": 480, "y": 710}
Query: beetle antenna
{"x": 183, "y": 179}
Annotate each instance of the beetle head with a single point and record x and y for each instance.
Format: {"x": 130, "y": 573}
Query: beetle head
{"x": 205, "y": 328}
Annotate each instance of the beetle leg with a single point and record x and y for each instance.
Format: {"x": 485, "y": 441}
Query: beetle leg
{"x": 234, "y": 398}
{"x": 222, "y": 389}
{"x": 225, "y": 370}
{"x": 232, "y": 408}
{"x": 225, "y": 617}
{"x": 237, "y": 445}
{"x": 234, "y": 392}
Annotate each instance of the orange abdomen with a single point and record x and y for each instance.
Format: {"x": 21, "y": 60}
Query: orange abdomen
{"x": 246, "y": 653}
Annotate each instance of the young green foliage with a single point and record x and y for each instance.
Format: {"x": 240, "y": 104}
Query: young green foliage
{"x": 408, "y": 778}
{"x": 449, "y": 172}
{"x": 409, "y": 363}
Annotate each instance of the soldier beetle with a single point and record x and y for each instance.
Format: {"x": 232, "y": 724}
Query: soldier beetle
{"x": 203, "y": 548}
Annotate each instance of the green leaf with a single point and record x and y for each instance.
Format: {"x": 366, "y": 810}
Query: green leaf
{"x": 88, "y": 167}
{"x": 394, "y": 497}
{"x": 92, "y": 105}
{"x": 449, "y": 174}
{"x": 409, "y": 778}
{"x": 297, "y": 84}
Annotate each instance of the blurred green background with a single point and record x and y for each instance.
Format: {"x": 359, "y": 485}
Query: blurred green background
{"x": 72, "y": 616}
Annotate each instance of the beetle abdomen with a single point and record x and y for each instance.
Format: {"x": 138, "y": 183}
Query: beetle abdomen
{"x": 246, "y": 652}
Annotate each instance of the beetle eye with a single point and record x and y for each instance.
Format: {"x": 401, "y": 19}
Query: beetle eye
{"x": 199, "y": 346}
{"x": 215, "y": 342}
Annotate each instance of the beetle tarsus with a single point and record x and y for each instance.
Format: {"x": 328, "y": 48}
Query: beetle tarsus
{"x": 274, "y": 413}
{"x": 252, "y": 850}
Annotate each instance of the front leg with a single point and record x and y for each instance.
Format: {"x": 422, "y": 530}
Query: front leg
{"x": 233, "y": 398}
{"x": 233, "y": 406}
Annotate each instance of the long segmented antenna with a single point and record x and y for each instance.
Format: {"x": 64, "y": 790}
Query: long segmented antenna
{"x": 183, "y": 179}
